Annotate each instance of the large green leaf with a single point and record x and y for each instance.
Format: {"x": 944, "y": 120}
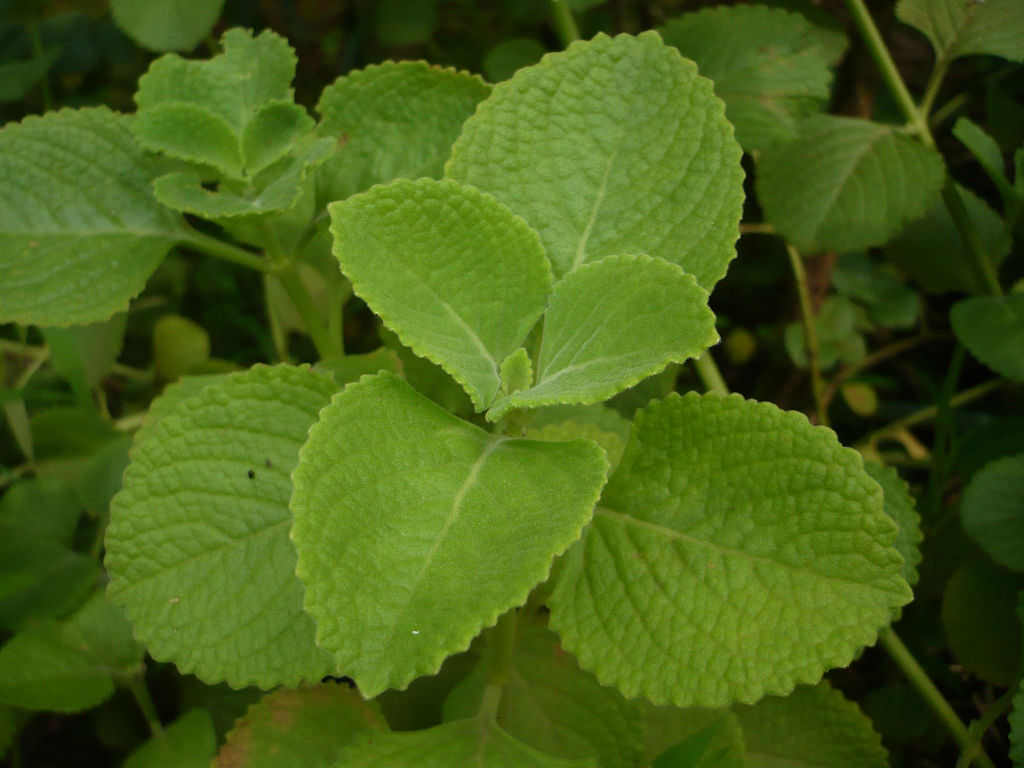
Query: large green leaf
{"x": 963, "y": 27}
{"x": 80, "y": 231}
{"x": 167, "y": 25}
{"x": 454, "y": 273}
{"x": 992, "y": 329}
{"x": 846, "y": 184}
{"x": 393, "y": 120}
{"x": 303, "y": 728}
{"x": 899, "y": 505}
{"x": 809, "y": 728}
{"x": 768, "y": 66}
{"x": 612, "y": 146}
{"x": 992, "y": 511}
{"x": 188, "y": 742}
{"x": 612, "y": 323}
{"x": 473, "y": 743}
{"x": 736, "y": 551}
{"x": 415, "y": 529}
{"x": 198, "y": 549}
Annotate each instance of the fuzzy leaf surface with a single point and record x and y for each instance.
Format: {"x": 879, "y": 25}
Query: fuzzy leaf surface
{"x": 956, "y": 28}
{"x": 301, "y": 728}
{"x": 811, "y": 727}
{"x": 393, "y": 120}
{"x": 992, "y": 511}
{"x": 736, "y": 551}
{"x": 454, "y": 273}
{"x": 198, "y": 549}
{"x": 992, "y": 329}
{"x": 845, "y": 184}
{"x": 615, "y": 145}
{"x": 900, "y": 506}
{"x": 415, "y": 530}
{"x": 768, "y": 65}
{"x": 167, "y": 25}
{"x": 188, "y": 742}
{"x": 595, "y": 317}
{"x": 70, "y": 258}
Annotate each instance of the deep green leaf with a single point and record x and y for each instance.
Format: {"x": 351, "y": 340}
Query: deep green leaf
{"x": 42, "y": 508}
{"x": 188, "y": 742}
{"x": 18, "y": 77}
{"x": 736, "y": 551}
{"x": 198, "y": 549}
{"x": 839, "y": 338}
{"x": 992, "y": 329}
{"x": 509, "y": 56}
{"x": 988, "y": 154}
{"x": 612, "y": 146}
{"x": 70, "y": 257}
{"x": 846, "y": 184}
{"x": 992, "y": 511}
{"x": 899, "y": 505}
{"x": 167, "y": 25}
{"x": 889, "y": 301}
{"x": 396, "y": 500}
{"x": 667, "y": 727}
{"x": 960, "y": 27}
{"x": 768, "y": 66}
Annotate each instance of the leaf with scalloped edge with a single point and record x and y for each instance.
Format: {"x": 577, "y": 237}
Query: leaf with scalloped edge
{"x": 454, "y": 273}
{"x": 198, "y": 549}
{"x": 900, "y": 506}
{"x": 415, "y": 530}
{"x": 167, "y": 25}
{"x": 992, "y": 511}
{"x": 188, "y": 742}
{"x": 811, "y": 727}
{"x": 736, "y": 551}
{"x": 302, "y": 728}
{"x": 992, "y": 329}
{"x": 80, "y": 231}
{"x": 610, "y": 324}
{"x": 845, "y": 184}
{"x": 768, "y": 65}
{"x": 612, "y": 146}
{"x": 393, "y": 120}
{"x": 473, "y": 743}
{"x": 964, "y": 27}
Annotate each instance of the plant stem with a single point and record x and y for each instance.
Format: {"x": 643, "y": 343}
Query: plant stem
{"x": 932, "y": 696}
{"x": 137, "y": 686}
{"x": 223, "y": 250}
{"x": 501, "y": 648}
{"x": 757, "y": 228}
{"x": 565, "y": 24}
{"x": 326, "y": 345}
{"x": 810, "y": 333}
{"x": 978, "y": 728}
{"x": 709, "y": 374}
{"x": 932, "y": 89}
{"x": 983, "y": 268}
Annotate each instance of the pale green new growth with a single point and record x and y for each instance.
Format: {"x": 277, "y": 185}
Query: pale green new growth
{"x": 167, "y": 25}
{"x": 992, "y": 511}
{"x": 80, "y": 231}
{"x": 441, "y": 526}
{"x": 197, "y": 548}
{"x": 768, "y": 65}
{"x": 992, "y": 328}
{"x": 846, "y": 184}
{"x": 811, "y": 727}
{"x": 963, "y": 27}
{"x": 188, "y": 742}
{"x": 736, "y": 551}
{"x": 516, "y": 371}
{"x": 612, "y": 146}
{"x": 454, "y": 273}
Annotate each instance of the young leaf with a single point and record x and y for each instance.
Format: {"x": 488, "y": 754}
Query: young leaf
{"x": 767, "y": 64}
{"x": 992, "y": 511}
{"x": 71, "y": 258}
{"x": 393, "y": 120}
{"x": 167, "y": 25}
{"x": 992, "y": 329}
{"x": 958, "y": 28}
{"x": 303, "y": 728}
{"x": 415, "y": 529}
{"x": 899, "y": 505}
{"x": 454, "y": 273}
{"x": 198, "y": 549}
{"x": 811, "y": 727}
{"x": 606, "y": 328}
{"x": 188, "y": 742}
{"x": 736, "y": 551}
{"x": 612, "y": 146}
{"x": 464, "y": 743}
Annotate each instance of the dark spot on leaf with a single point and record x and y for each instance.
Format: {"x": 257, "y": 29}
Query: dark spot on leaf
{"x": 252, "y": 474}
{"x": 267, "y": 462}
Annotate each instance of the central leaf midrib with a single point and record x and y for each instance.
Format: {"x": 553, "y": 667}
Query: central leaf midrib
{"x": 581, "y": 247}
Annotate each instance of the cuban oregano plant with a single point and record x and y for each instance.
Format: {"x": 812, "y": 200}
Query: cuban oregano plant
{"x": 604, "y": 590}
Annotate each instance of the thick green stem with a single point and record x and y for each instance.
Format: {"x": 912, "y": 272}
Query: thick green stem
{"x": 326, "y": 345}
{"x": 565, "y": 24}
{"x": 810, "y": 332}
{"x": 923, "y": 684}
{"x": 708, "y": 372}
{"x": 980, "y": 262}
{"x": 222, "y": 250}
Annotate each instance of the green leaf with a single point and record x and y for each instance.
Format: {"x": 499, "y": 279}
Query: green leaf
{"x": 612, "y": 146}
{"x": 889, "y": 301}
{"x": 992, "y": 511}
{"x": 811, "y": 727}
{"x": 179, "y": 346}
{"x": 395, "y": 500}
{"x": 899, "y": 505}
{"x": 166, "y": 25}
{"x": 351, "y": 367}
{"x": 988, "y": 154}
{"x": 188, "y": 742}
{"x": 516, "y": 371}
{"x": 303, "y": 728}
{"x": 41, "y": 507}
{"x": 668, "y": 727}
{"x": 455, "y": 274}
{"x": 84, "y": 355}
{"x": 393, "y": 120}
{"x": 608, "y": 326}
{"x": 70, "y": 666}
{"x": 992, "y": 329}
{"x": 18, "y": 77}
{"x": 185, "y": 192}
{"x": 846, "y": 184}
{"x": 736, "y": 551}
{"x": 838, "y": 336}
{"x": 768, "y": 66}
{"x": 70, "y": 258}
{"x": 509, "y": 56}
{"x": 956, "y": 28}
{"x": 198, "y": 550}
{"x": 465, "y": 743}
{"x": 687, "y": 753}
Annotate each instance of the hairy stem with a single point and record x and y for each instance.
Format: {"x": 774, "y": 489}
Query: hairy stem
{"x": 709, "y": 374}
{"x": 565, "y": 24}
{"x": 810, "y": 333}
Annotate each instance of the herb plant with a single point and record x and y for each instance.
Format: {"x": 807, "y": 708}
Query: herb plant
{"x": 514, "y": 547}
